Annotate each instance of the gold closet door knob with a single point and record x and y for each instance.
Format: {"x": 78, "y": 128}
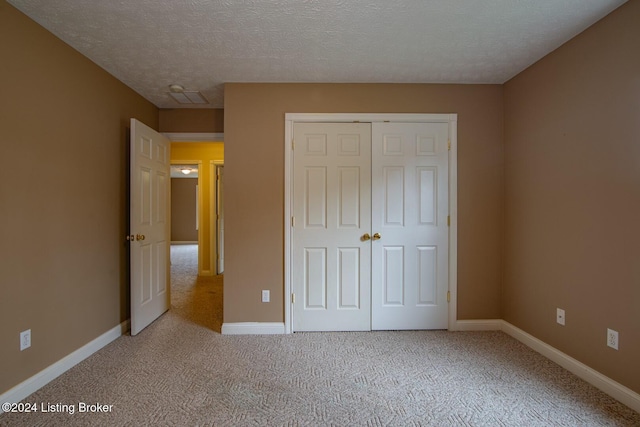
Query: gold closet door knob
{"x": 377, "y": 236}
{"x": 139, "y": 236}
{"x": 366, "y": 236}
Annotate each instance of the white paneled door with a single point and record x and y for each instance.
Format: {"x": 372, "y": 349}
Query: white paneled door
{"x": 410, "y": 204}
{"x": 149, "y": 225}
{"x": 332, "y": 211}
{"x": 370, "y": 239}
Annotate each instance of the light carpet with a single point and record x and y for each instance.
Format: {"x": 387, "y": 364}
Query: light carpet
{"x": 181, "y": 372}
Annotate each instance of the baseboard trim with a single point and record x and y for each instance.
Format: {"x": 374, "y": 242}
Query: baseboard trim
{"x": 478, "y": 325}
{"x": 253, "y": 328}
{"x": 612, "y": 388}
{"x": 42, "y": 378}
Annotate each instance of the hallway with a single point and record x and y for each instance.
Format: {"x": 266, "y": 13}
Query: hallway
{"x": 193, "y": 298}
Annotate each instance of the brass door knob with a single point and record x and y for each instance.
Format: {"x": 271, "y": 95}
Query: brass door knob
{"x": 366, "y": 237}
{"x": 139, "y": 236}
{"x": 377, "y": 236}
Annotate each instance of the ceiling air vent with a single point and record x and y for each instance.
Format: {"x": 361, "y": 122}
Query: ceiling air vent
{"x": 186, "y": 96}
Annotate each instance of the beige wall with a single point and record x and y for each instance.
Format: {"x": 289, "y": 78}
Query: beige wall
{"x": 183, "y": 210}
{"x": 209, "y": 120}
{"x": 205, "y": 153}
{"x": 572, "y": 141}
{"x": 254, "y": 181}
{"x": 63, "y": 206}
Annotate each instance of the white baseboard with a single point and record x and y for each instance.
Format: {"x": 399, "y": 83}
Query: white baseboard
{"x": 478, "y": 325}
{"x": 42, "y": 378}
{"x": 253, "y": 328}
{"x": 612, "y": 388}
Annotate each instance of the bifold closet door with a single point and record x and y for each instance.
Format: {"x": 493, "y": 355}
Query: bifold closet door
{"x": 331, "y": 260}
{"x": 409, "y": 213}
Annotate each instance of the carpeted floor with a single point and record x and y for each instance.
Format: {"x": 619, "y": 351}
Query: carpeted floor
{"x": 180, "y": 371}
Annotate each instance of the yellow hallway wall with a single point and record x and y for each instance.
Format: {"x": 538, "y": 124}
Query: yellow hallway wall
{"x": 204, "y": 152}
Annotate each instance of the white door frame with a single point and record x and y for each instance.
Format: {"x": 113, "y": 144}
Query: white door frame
{"x": 213, "y": 213}
{"x": 451, "y": 119}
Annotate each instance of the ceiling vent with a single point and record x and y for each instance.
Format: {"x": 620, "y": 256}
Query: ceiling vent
{"x": 182, "y": 96}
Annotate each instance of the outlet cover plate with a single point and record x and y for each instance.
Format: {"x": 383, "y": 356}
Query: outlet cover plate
{"x": 265, "y": 296}
{"x": 560, "y": 316}
{"x": 612, "y": 338}
{"x": 25, "y": 339}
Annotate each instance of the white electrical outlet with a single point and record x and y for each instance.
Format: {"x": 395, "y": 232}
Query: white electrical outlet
{"x": 265, "y": 296}
{"x": 612, "y": 338}
{"x": 25, "y": 339}
{"x": 560, "y": 316}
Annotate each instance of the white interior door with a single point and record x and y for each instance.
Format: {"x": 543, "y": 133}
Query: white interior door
{"x": 331, "y": 210}
{"x": 220, "y": 217}
{"x": 150, "y": 226}
{"x": 409, "y": 211}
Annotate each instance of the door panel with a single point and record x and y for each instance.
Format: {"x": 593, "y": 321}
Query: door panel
{"x": 409, "y": 211}
{"x": 149, "y": 225}
{"x": 332, "y": 202}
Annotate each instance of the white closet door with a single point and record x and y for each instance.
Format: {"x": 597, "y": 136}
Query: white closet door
{"x": 409, "y": 212}
{"x": 332, "y": 210}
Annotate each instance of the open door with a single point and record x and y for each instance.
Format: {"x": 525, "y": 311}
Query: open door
{"x": 150, "y": 225}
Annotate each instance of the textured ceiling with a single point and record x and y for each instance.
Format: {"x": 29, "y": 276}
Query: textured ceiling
{"x": 201, "y": 44}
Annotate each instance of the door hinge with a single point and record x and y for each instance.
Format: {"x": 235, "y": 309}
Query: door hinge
{"x": 448, "y": 220}
{"x": 293, "y": 221}
{"x": 293, "y": 298}
{"x": 449, "y": 144}
{"x": 448, "y": 296}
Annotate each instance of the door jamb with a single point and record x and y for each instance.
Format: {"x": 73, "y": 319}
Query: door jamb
{"x": 451, "y": 119}
{"x": 213, "y": 213}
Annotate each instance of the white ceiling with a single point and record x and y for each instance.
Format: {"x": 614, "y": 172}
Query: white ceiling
{"x": 201, "y": 44}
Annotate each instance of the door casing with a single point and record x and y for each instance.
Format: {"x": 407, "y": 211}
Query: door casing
{"x": 451, "y": 119}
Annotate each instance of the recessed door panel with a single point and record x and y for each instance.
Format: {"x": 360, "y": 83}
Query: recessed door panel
{"x": 427, "y": 192}
{"x": 393, "y": 202}
{"x": 316, "y": 145}
{"x": 316, "y": 197}
{"x": 146, "y": 273}
{"x": 393, "y": 275}
{"x": 349, "y": 278}
{"x": 349, "y": 187}
{"x": 427, "y": 275}
{"x": 161, "y": 248}
{"x": 162, "y": 193}
{"x": 315, "y": 278}
{"x": 144, "y": 194}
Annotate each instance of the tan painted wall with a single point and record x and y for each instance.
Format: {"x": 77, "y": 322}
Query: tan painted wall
{"x": 254, "y": 181}
{"x": 572, "y": 141}
{"x": 205, "y": 152}
{"x": 63, "y": 207}
{"x": 183, "y": 210}
{"x": 192, "y": 120}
